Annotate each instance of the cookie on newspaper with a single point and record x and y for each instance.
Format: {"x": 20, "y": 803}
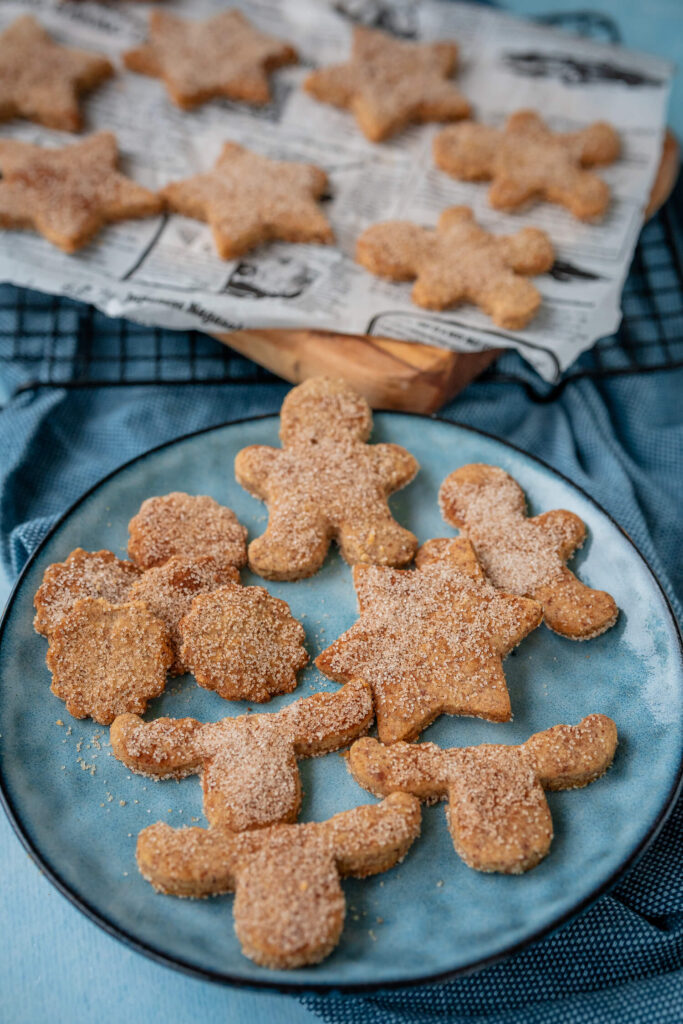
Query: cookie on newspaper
{"x": 224, "y": 56}
{"x": 41, "y": 80}
{"x": 248, "y": 764}
{"x": 326, "y": 483}
{"x": 388, "y": 83}
{"x": 83, "y": 574}
{"x": 243, "y": 643}
{"x": 289, "y": 907}
{"x": 168, "y": 590}
{"x": 461, "y": 262}
{"x": 524, "y": 555}
{"x": 68, "y": 194}
{"x": 247, "y": 199}
{"x": 186, "y": 526}
{"x": 497, "y": 812}
{"x": 431, "y": 641}
{"x": 107, "y": 659}
{"x": 526, "y": 160}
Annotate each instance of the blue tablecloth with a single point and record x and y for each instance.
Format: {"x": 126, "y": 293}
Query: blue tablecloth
{"x": 622, "y": 440}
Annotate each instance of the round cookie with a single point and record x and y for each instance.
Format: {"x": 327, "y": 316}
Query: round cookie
{"x": 107, "y": 659}
{"x": 83, "y": 574}
{"x": 188, "y": 526}
{"x": 243, "y": 643}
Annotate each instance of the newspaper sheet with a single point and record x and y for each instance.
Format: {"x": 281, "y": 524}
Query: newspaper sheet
{"x": 165, "y": 270}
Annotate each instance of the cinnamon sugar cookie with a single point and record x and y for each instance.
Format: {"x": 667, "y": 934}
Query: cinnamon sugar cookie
{"x": 389, "y": 83}
{"x": 431, "y": 641}
{"x": 169, "y": 589}
{"x": 289, "y": 907}
{"x": 247, "y": 199}
{"x": 526, "y": 161}
{"x": 189, "y": 526}
{"x": 41, "y": 80}
{"x": 461, "y": 262}
{"x": 242, "y": 643}
{"x": 526, "y": 556}
{"x": 497, "y": 812}
{"x": 68, "y": 194}
{"x": 83, "y": 574}
{"x": 107, "y": 659}
{"x": 248, "y": 765}
{"x": 326, "y": 483}
{"x": 224, "y": 56}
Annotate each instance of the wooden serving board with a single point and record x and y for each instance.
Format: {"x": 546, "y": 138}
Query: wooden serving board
{"x": 405, "y": 375}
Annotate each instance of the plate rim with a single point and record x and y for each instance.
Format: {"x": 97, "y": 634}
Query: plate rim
{"x": 326, "y": 987}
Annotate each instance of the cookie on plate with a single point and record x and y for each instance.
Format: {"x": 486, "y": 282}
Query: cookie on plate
{"x": 186, "y": 526}
{"x": 82, "y": 574}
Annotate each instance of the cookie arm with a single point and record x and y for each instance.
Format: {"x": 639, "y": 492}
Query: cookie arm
{"x": 329, "y": 721}
{"x": 457, "y": 552}
{"x": 571, "y": 756}
{"x": 166, "y": 747}
{"x": 189, "y": 862}
{"x": 395, "y": 466}
{"x": 372, "y": 838}
{"x": 567, "y": 530}
{"x": 253, "y": 466}
{"x": 574, "y": 610}
{"x": 419, "y": 769}
{"x": 528, "y": 251}
{"x": 393, "y": 249}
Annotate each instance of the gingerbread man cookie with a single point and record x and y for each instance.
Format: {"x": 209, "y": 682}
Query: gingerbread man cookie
{"x": 248, "y": 764}
{"x": 289, "y": 907}
{"x": 187, "y": 526}
{"x": 243, "y": 643}
{"x": 83, "y": 574}
{"x": 526, "y": 161}
{"x": 522, "y": 555}
{"x": 41, "y": 80}
{"x": 497, "y": 812}
{"x": 224, "y": 56}
{"x": 461, "y": 262}
{"x": 388, "y": 83}
{"x": 326, "y": 483}
{"x": 248, "y": 199}
{"x": 107, "y": 659}
{"x": 168, "y": 590}
{"x": 431, "y": 641}
{"x": 68, "y": 194}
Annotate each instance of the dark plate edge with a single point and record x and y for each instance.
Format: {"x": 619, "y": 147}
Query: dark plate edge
{"x": 328, "y": 987}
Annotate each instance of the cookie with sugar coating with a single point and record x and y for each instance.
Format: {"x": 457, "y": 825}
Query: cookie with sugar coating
{"x": 187, "y": 526}
{"x": 82, "y": 574}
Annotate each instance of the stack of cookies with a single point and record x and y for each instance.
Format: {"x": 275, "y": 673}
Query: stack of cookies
{"x": 430, "y": 640}
{"x": 248, "y": 199}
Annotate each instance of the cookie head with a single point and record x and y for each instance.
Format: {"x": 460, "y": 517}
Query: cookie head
{"x": 323, "y": 408}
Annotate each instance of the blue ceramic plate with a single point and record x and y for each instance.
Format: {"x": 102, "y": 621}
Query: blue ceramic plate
{"x": 78, "y": 810}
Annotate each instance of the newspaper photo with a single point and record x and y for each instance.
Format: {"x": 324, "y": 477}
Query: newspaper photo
{"x": 165, "y": 270}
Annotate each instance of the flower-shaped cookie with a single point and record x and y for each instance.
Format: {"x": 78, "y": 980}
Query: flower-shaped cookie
{"x": 186, "y": 525}
{"x": 83, "y": 574}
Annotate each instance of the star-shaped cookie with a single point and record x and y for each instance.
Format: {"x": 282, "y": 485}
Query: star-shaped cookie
{"x": 247, "y": 199}
{"x": 431, "y": 641}
{"x": 200, "y": 60}
{"x": 461, "y": 262}
{"x": 68, "y": 194}
{"x": 41, "y": 80}
{"x": 388, "y": 83}
{"x": 526, "y": 160}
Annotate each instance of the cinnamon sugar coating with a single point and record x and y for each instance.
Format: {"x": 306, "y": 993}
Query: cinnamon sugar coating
{"x": 326, "y": 483}
{"x": 107, "y": 659}
{"x": 247, "y": 199}
{"x": 461, "y": 262}
{"x": 523, "y": 555}
{"x": 168, "y": 590}
{"x": 497, "y": 812}
{"x": 526, "y": 161}
{"x": 243, "y": 643}
{"x": 388, "y": 84}
{"x": 68, "y": 194}
{"x": 41, "y": 80}
{"x": 289, "y": 906}
{"x": 431, "y": 641}
{"x": 224, "y": 56}
{"x": 248, "y": 764}
{"x": 82, "y": 574}
{"x": 186, "y": 525}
